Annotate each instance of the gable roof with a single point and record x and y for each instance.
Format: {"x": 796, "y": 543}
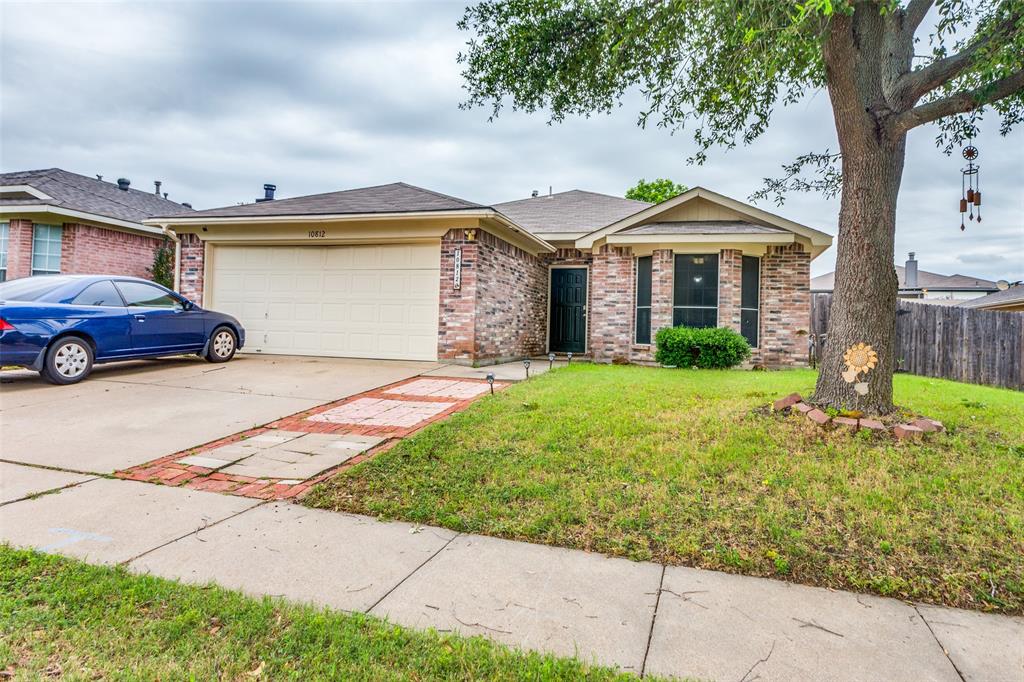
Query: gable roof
{"x": 925, "y": 280}
{"x": 63, "y": 189}
{"x": 1007, "y": 297}
{"x": 573, "y": 212}
{"x": 818, "y": 240}
{"x": 397, "y": 197}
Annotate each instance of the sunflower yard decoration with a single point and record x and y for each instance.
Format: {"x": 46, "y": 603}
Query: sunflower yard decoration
{"x": 860, "y": 358}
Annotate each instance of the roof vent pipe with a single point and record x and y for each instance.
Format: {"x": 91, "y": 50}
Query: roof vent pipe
{"x": 123, "y": 183}
{"x": 910, "y": 274}
{"x": 99, "y": 177}
{"x": 535, "y": 193}
{"x": 268, "y": 192}
{"x": 157, "y": 184}
{"x": 186, "y": 204}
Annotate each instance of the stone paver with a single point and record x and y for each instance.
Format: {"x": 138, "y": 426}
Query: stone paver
{"x": 558, "y": 600}
{"x": 206, "y": 462}
{"x": 441, "y": 388}
{"x": 382, "y": 412}
{"x": 307, "y": 555}
{"x": 718, "y": 626}
{"x": 18, "y": 481}
{"x": 327, "y": 444}
{"x": 299, "y": 458}
{"x": 982, "y": 646}
{"x": 110, "y": 521}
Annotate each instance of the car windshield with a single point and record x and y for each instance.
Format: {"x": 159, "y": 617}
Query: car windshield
{"x": 29, "y": 288}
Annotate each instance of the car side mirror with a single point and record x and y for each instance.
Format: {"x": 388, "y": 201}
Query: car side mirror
{"x": 187, "y": 304}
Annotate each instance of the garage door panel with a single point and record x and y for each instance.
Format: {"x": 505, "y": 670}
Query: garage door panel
{"x": 346, "y": 301}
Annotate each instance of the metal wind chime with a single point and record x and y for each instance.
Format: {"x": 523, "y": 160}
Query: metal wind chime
{"x": 970, "y": 187}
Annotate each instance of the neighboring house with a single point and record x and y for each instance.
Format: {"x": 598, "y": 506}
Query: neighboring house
{"x": 53, "y": 221}
{"x": 400, "y": 272}
{"x": 927, "y": 287}
{"x": 1009, "y": 299}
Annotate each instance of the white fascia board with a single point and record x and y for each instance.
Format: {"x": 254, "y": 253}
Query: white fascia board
{"x": 758, "y": 238}
{"x": 27, "y": 189}
{"x": 101, "y": 220}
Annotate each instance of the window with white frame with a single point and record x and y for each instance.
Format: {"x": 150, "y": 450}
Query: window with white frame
{"x": 46, "y": 249}
{"x": 5, "y": 231}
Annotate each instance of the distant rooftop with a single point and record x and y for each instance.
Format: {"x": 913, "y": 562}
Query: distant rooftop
{"x": 396, "y": 197}
{"x": 925, "y": 280}
{"x": 1012, "y": 296}
{"x": 87, "y": 194}
{"x": 576, "y": 211}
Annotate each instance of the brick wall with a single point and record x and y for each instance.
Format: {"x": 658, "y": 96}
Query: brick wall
{"x": 613, "y": 280}
{"x": 730, "y": 283}
{"x": 662, "y": 277}
{"x": 19, "y": 248}
{"x": 91, "y": 250}
{"x": 190, "y": 276}
{"x": 499, "y": 311}
{"x": 785, "y": 306}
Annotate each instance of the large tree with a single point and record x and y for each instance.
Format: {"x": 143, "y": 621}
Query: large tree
{"x": 655, "y": 191}
{"x": 724, "y": 66}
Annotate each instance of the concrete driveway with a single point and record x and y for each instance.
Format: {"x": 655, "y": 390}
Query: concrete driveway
{"x": 129, "y": 413}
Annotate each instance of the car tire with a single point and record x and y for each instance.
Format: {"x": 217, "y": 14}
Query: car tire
{"x": 222, "y": 346}
{"x": 68, "y": 361}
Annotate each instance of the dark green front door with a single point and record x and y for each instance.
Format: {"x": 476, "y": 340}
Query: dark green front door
{"x": 568, "y": 310}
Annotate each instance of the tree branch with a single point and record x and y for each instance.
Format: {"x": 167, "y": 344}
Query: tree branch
{"x": 915, "y": 14}
{"x": 912, "y": 85}
{"x": 958, "y": 103}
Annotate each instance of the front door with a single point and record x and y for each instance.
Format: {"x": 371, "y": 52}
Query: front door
{"x": 568, "y": 310}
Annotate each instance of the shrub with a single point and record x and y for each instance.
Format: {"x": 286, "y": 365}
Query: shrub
{"x": 711, "y": 348}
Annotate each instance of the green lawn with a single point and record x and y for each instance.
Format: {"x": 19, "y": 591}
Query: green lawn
{"x": 63, "y": 618}
{"x": 676, "y": 466}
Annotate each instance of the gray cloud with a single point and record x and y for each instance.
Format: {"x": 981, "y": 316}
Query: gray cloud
{"x": 216, "y": 98}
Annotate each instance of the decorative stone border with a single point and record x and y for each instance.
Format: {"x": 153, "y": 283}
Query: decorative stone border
{"x": 916, "y": 428}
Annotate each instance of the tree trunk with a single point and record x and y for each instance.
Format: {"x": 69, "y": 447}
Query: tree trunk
{"x": 859, "y": 62}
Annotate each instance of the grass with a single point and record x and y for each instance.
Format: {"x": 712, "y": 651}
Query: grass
{"x": 677, "y": 466}
{"x": 64, "y": 618}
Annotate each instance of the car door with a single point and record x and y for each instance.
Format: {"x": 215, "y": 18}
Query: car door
{"x": 159, "y": 320}
{"x": 102, "y": 314}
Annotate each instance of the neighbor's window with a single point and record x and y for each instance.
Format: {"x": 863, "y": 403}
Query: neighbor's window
{"x": 140, "y": 295}
{"x": 4, "y": 235}
{"x": 643, "y": 299}
{"x": 46, "y": 249}
{"x": 750, "y": 299}
{"x": 695, "y": 291}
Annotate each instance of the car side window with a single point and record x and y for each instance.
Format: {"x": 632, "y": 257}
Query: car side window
{"x": 99, "y": 293}
{"x": 142, "y": 295}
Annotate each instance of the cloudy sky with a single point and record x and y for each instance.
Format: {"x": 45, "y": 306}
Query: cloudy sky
{"x": 216, "y": 98}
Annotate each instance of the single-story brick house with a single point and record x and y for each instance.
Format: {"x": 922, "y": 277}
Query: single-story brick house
{"x": 400, "y": 272}
{"x": 53, "y": 221}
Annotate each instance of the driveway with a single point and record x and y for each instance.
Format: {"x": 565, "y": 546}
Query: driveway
{"x": 129, "y": 413}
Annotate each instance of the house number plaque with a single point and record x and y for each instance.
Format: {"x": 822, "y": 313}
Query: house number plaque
{"x": 457, "y": 272}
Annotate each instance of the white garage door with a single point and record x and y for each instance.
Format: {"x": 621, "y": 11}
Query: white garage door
{"x": 342, "y": 301}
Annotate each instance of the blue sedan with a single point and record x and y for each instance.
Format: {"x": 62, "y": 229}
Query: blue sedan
{"x": 60, "y": 325}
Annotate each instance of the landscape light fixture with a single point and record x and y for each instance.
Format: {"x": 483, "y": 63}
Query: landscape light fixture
{"x": 551, "y": 360}
{"x": 569, "y": 358}
{"x": 490, "y": 381}
{"x": 526, "y": 364}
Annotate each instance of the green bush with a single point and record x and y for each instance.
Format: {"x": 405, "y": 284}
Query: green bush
{"x": 711, "y": 348}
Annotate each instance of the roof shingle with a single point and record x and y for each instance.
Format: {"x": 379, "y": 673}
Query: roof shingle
{"x": 575, "y": 211}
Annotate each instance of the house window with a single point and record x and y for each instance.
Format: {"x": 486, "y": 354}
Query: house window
{"x": 643, "y": 299}
{"x": 46, "y": 249}
{"x": 750, "y": 299}
{"x": 695, "y": 291}
{"x": 5, "y": 231}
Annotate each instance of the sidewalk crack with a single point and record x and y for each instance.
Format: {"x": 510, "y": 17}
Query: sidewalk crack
{"x": 412, "y": 573}
{"x": 939, "y": 642}
{"x": 654, "y": 617}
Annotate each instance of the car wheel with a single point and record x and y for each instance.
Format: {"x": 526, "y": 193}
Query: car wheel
{"x": 223, "y": 343}
{"x": 68, "y": 361}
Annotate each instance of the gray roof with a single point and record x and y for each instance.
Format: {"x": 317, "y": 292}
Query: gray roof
{"x": 575, "y": 211}
{"x": 82, "y": 193}
{"x": 397, "y": 197}
{"x": 925, "y": 280}
{"x": 1014, "y": 294}
{"x": 704, "y": 227}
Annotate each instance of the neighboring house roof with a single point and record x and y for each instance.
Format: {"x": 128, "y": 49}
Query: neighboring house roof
{"x": 573, "y": 212}
{"x": 398, "y": 197}
{"x": 66, "y": 191}
{"x": 703, "y": 227}
{"x": 925, "y": 280}
{"x": 1014, "y": 296}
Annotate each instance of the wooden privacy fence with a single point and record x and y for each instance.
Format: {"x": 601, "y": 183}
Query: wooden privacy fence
{"x": 950, "y": 342}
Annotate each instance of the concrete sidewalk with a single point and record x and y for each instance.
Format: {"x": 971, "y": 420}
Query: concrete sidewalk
{"x": 642, "y": 617}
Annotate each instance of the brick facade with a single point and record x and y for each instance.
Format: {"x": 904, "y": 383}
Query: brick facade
{"x": 730, "y": 283}
{"x": 85, "y": 250}
{"x": 190, "y": 274}
{"x": 785, "y": 314}
{"x": 613, "y": 305}
{"x": 499, "y": 311}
